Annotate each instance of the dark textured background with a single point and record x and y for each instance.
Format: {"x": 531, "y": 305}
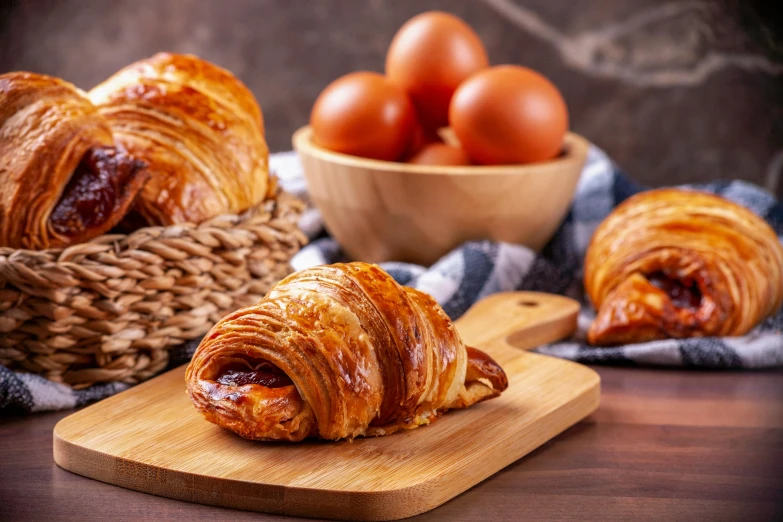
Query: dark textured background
{"x": 676, "y": 91}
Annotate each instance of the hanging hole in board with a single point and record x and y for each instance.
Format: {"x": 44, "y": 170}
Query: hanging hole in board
{"x": 527, "y": 303}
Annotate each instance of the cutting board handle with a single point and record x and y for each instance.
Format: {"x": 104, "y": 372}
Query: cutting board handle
{"x": 525, "y": 320}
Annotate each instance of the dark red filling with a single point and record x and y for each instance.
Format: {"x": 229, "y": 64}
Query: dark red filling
{"x": 683, "y": 294}
{"x": 269, "y": 377}
{"x": 95, "y": 191}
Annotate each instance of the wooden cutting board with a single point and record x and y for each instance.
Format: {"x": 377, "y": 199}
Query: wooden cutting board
{"x": 151, "y": 439}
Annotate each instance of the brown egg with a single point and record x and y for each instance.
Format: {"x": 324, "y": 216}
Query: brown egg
{"x": 440, "y": 154}
{"x": 509, "y": 114}
{"x": 363, "y": 114}
{"x": 420, "y": 137}
{"x": 429, "y": 57}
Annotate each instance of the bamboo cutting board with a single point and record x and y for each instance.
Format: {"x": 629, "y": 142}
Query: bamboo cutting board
{"x": 150, "y": 438}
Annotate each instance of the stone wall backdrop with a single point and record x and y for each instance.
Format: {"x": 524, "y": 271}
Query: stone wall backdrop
{"x": 675, "y": 90}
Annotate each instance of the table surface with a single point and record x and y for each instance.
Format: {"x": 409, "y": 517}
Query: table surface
{"x": 668, "y": 445}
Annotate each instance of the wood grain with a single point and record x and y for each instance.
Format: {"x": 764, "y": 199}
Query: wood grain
{"x": 602, "y": 469}
{"x": 524, "y": 319}
{"x": 151, "y": 439}
{"x": 382, "y": 210}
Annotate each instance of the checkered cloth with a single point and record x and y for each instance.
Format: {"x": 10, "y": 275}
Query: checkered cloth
{"x": 480, "y": 268}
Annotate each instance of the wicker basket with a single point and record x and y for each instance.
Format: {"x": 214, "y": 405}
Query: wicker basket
{"x": 110, "y": 310}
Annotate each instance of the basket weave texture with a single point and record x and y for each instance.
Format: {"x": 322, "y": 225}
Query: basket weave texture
{"x": 111, "y": 309}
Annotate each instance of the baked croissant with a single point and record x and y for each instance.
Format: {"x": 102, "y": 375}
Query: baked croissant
{"x": 63, "y": 180}
{"x": 334, "y": 352}
{"x": 199, "y": 129}
{"x": 674, "y": 263}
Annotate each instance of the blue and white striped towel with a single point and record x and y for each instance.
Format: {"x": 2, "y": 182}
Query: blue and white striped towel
{"x": 478, "y": 269}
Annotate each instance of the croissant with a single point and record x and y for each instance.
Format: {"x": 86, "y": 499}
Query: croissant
{"x": 63, "y": 180}
{"x": 334, "y": 352}
{"x": 673, "y": 263}
{"x": 199, "y": 129}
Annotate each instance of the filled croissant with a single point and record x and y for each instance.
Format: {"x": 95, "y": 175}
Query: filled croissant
{"x": 63, "y": 179}
{"x": 674, "y": 263}
{"x": 334, "y": 352}
{"x": 198, "y": 128}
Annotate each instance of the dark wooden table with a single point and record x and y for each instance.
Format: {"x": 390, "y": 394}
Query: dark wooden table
{"x": 665, "y": 445}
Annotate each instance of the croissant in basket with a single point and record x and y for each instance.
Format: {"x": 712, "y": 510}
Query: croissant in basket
{"x": 63, "y": 179}
{"x": 198, "y": 128}
{"x": 674, "y": 263}
{"x": 336, "y": 352}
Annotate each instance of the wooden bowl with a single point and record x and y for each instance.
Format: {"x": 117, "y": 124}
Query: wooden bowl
{"x": 389, "y": 211}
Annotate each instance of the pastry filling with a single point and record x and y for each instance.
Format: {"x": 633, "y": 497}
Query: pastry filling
{"x": 97, "y": 188}
{"x": 683, "y": 294}
{"x": 266, "y": 374}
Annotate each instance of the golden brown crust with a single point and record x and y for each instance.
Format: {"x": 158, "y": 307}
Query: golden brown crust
{"x": 198, "y": 128}
{"x": 62, "y": 180}
{"x": 366, "y": 357}
{"x": 677, "y": 263}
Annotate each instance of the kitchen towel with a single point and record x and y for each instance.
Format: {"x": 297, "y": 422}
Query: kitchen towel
{"x": 480, "y": 268}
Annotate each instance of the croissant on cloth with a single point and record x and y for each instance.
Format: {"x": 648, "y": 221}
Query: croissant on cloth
{"x": 63, "y": 179}
{"x": 198, "y": 128}
{"x": 334, "y": 352}
{"x": 674, "y": 263}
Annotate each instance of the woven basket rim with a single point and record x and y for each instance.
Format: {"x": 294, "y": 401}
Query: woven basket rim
{"x": 267, "y": 206}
